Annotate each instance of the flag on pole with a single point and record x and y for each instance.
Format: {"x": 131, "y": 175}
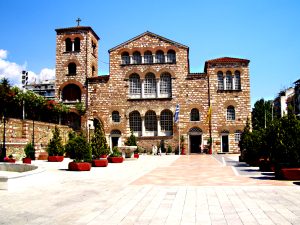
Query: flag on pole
{"x": 176, "y": 115}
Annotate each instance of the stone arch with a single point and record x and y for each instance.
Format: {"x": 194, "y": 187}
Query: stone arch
{"x": 166, "y": 70}
{"x": 71, "y": 81}
{"x": 132, "y": 71}
{"x": 149, "y": 70}
{"x": 122, "y": 50}
{"x": 230, "y": 103}
{"x": 72, "y": 37}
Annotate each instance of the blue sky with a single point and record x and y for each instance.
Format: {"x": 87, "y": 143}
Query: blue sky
{"x": 264, "y": 31}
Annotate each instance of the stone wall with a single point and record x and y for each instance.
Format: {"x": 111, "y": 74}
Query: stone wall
{"x": 19, "y": 133}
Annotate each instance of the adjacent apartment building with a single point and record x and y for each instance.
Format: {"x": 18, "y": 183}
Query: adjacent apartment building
{"x": 148, "y": 76}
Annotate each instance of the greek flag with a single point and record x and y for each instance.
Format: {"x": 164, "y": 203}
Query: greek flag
{"x": 176, "y": 115}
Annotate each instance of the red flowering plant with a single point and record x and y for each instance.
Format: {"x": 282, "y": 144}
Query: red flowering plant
{"x": 10, "y": 159}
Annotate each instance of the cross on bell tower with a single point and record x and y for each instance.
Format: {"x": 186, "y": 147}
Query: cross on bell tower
{"x": 78, "y": 21}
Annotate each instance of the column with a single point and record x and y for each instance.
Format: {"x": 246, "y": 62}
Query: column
{"x": 73, "y": 46}
{"x": 157, "y": 88}
{"x": 158, "y": 126}
{"x": 142, "y": 88}
{"x": 143, "y": 126}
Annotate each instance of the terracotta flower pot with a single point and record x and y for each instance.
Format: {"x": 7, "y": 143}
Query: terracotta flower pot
{"x": 55, "y": 158}
{"x": 26, "y": 160}
{"x": 116, "y": 159}
{"x": 9, "y": 160}
{"x": 136, "y": 155}
{"x": 100, "y": 162}
{"x": 79, "y": 166}
{"x": 290, "y": 173}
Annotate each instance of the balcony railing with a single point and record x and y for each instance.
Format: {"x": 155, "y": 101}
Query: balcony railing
{"x": 148, "y": 59}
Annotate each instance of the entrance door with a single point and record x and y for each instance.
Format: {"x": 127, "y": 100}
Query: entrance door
{"x": 195, "y": 143}
{"x": 225, "y": 143}
{"x": 114, "y": 141}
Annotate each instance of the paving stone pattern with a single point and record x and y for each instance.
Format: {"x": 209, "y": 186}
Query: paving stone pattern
{"x": 150, "y": 190}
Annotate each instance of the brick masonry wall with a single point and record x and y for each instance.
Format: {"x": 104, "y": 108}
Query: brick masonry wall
{"x": 188, "y": 90}
{"x": 19, "y": 133}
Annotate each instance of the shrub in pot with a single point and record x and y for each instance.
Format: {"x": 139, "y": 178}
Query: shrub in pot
{"x": 80, "y": 151}
{"x": 116, "y": 156}
{"x": 55, "y": 148}
{"x": 131, "y": 141}
{"x": 29, "y": 151}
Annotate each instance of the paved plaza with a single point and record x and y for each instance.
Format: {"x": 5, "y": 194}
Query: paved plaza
{"x": 168, "y": 189}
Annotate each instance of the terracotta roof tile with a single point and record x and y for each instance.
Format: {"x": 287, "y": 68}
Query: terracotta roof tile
{"x": 227, "y": 60}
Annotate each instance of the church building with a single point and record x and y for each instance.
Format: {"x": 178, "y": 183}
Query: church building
{"x": 149, "y": 76}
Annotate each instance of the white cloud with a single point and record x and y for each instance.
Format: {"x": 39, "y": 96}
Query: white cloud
{"x": 13, "y": 71}
{"x": 3, "y": 54}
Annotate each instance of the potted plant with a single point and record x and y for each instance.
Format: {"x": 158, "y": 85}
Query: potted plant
{"x": 80, "y": 151}
{"x": 136, "y": 152}
{"x": 100, "y": 148}
{"x": 116, "y": 156}
{"x": 29, "y": 151}
{"x": 169, "y": 150}
{"x": 131, "y": 141}
{"x": 55, "y": 148}
{"x": 9, "y": 159}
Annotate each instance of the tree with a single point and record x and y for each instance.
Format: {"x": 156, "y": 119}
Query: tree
{"x": 261, "y": 114}
{"x": 131, "y": 141}
{"x": 55, "y": 146}
{"x": 99, "y": 143}
{"x": 78, "y": 148}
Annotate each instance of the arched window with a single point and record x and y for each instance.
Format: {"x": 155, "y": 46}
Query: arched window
{"x": 237, "y": 80}
{"x": 68, "y": 43}
{"x": 135, "y": 121}
{"x": 71, "y": 93}
{"x": 72, "y": 69}
{"x": 125, "y": 58}
{"x": 228, "y": 80}
{"x": 148, "y": 57}
{"x": 166, "y": 122}
{"x": 195, "y": 115}
{"x": 115, "y": 116}
{"x": 159, "y": 57}
{"x": 220, "y": 81}
{"x": 150, "y": 85}
{"x": 165, "y": 85}
{"x": 77, "y": 44}
{"x": 150, "y": 121}
{"x": 134, "y": 85}
{"x": 230, "y": 113}
{"x": 171, "y": 56}
{"x": 136, "y": 58}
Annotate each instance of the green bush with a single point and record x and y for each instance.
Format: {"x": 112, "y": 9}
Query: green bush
{"x": 78, "y": 148}
{"x": 169, "y": 149}
{"x": 29, "y": 151}
{"x": 99, "y": 144}
{"x": 116, "y": 152}
{"x": 55, "y": 146}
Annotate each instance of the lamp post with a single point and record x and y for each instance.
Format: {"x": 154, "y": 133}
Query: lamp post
{"x": 3, "y": 152}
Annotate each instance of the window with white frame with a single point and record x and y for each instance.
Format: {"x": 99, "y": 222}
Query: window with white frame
{"x": 195, "y": 116}
{"x": 220, "y": 81}
{"x": 150, "y": 85}
{"x": 136, "y": 58}
{"x": 237, "y": 80}
{"x": 230, "y": 113}
{"x": 171, "y": 56}
{"x": 150, "y": 121}
{"x": 135, "y": 121}
{"x": 159, "y": 57}
{"x": 166, "y": 120}
{"x": 115, "y": 116}
{"x": 134, "y": 84}
{"x": 166, "y": 85}
{"x": 237, "y": 135}
{"x": 125, "y": 58}
{"x": 148, "y": 57}
{"x": 228, "y": 81}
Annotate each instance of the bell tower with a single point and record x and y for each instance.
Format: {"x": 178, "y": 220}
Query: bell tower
{"x": 76, "y": 60}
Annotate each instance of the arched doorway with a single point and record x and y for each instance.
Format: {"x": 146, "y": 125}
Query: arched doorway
{"x": 195, "y": 140}
{"x": 115, "y": 138}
